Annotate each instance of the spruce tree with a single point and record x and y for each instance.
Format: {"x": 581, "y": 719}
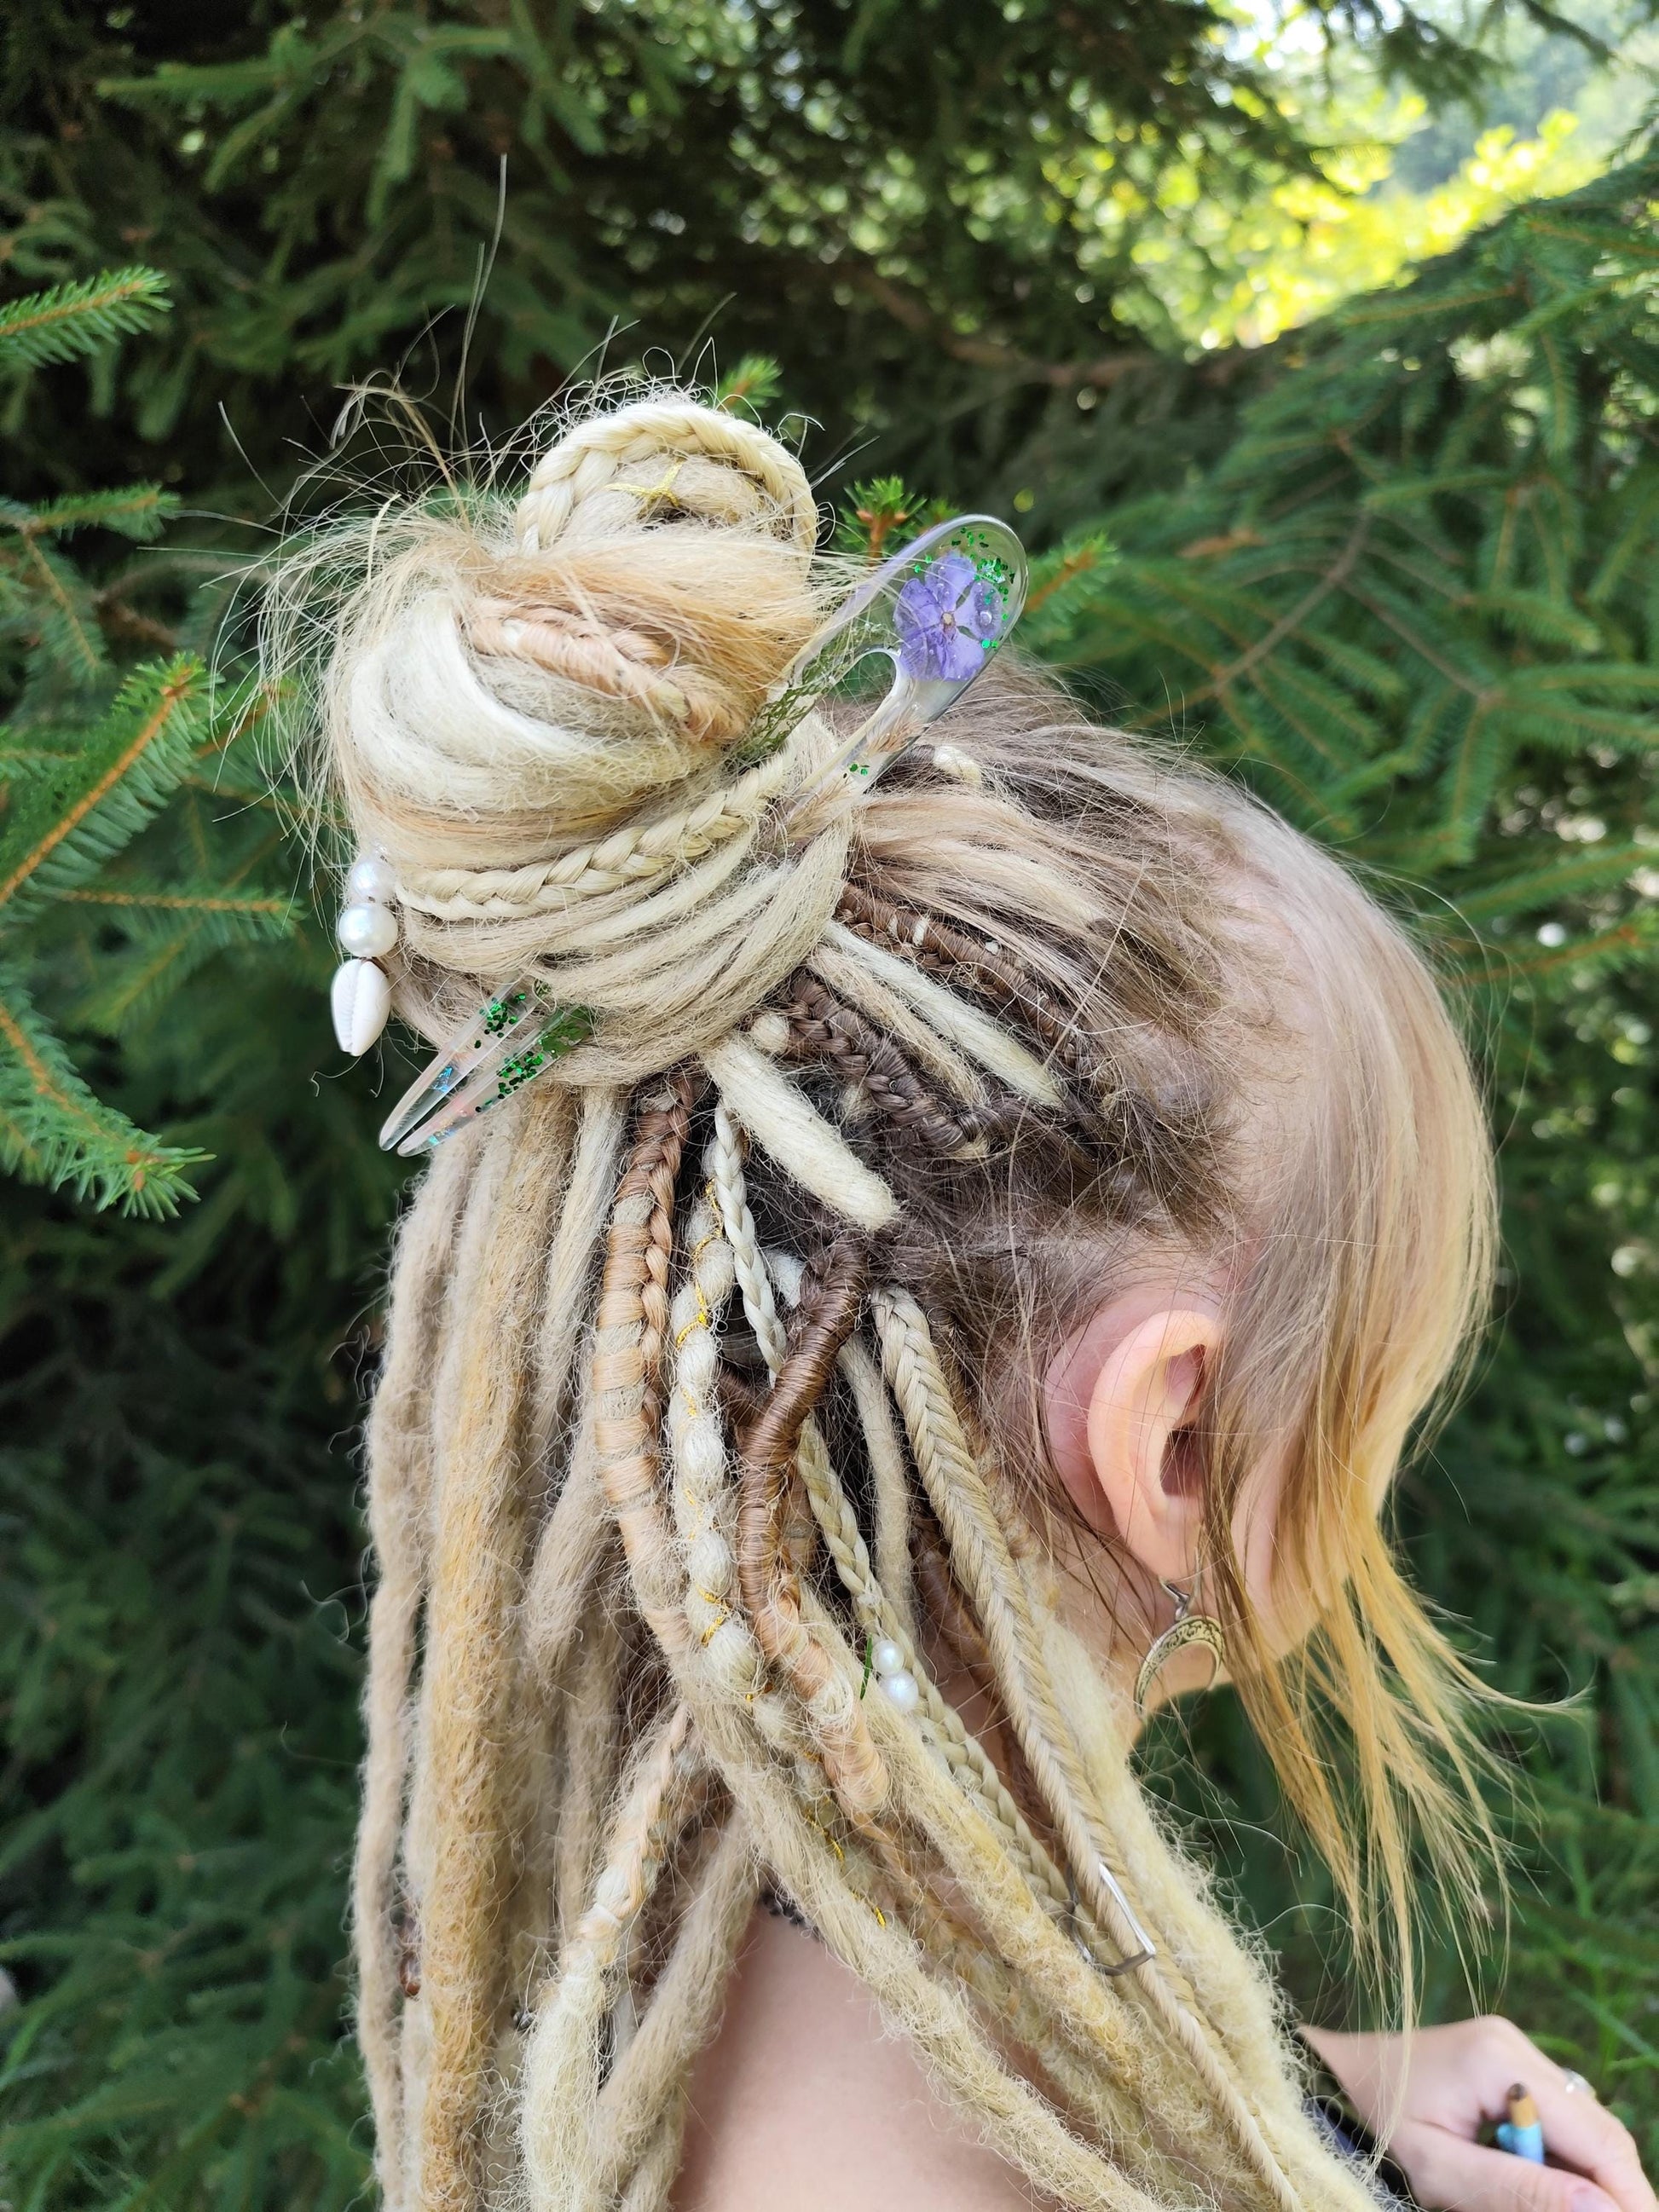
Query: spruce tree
{"x": 1398, "y": 570}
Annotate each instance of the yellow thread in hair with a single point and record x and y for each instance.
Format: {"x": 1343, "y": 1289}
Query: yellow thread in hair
{"x": 825, "y": 1833}
{"x": 714, "y": 1630}
{"x": 701, "y": 1319}
{"x": 650, "y": 495}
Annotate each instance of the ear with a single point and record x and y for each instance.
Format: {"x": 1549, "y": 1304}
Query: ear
{"x": 1118, "y": 1398}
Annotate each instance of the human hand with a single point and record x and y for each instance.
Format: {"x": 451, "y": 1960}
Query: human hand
{"x": 1425, "y": 2097}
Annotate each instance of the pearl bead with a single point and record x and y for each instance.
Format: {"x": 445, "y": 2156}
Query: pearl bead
{"x": 904, "y": 1689}
{"x": 887, "y": 1658}
{"x": 371, "y": 882}
{"x": 365, "y": 932}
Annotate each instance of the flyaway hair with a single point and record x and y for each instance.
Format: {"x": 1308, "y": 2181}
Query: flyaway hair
{"x": 712, "y": 1355}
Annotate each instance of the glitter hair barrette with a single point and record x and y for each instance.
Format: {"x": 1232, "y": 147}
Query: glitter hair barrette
{"x": 923, "y": 624}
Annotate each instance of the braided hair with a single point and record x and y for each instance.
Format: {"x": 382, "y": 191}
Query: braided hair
{"x": 710, "y": 1356}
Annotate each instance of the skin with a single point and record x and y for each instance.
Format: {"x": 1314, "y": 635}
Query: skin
{"x": 804, "y": 2102}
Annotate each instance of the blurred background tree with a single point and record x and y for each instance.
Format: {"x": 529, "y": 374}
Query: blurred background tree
{"x": 1398, "y": 566}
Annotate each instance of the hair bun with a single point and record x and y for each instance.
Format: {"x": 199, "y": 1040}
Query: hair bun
{"x": 530, "y": 705}
{"x": 659, "y": 456}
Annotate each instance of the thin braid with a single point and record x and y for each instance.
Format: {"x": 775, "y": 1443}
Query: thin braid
{"x": 1158, "y": 1144}
{"x": 730, "y": 1187}
{"x": 940, "y": 948}
{"x": 631, "y": 859}
{"x": 701, "y": 1493}
{"x": 821, "y": 1028}
{"x": 646, "y": 2091}
{"x": 728, "y": 1191}
{"x": 976, "y": 1540}
{"x": 852, "y": 978}
{"x": 726, "y": 1170}
{"x": 979, "y": 1550}
{"x": 705, "y": 1506}
{"x": 399, "y": 1457}
{"x": 771, "y": 1591}
{"x": 561, "y": 2062}
{"x": 581, "y": 469}
{"x": 956, "y": 1018}
{"x": 963, "y": 1752}
{"x": 628, "y": 1345}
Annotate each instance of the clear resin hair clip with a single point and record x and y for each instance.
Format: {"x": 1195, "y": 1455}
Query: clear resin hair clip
{"x": 922, "y": 626}
{"x": 507, "y": 1042}
{"x": 918, "y": 630}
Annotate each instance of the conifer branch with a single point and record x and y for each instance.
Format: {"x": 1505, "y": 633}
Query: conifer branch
{"x": 53, "y": 1130}
{"x": 70, "y": 822}
{"x": 72, "y": 320}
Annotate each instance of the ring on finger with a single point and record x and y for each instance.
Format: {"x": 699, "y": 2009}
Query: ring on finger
{"x": 1572, "y": 2083}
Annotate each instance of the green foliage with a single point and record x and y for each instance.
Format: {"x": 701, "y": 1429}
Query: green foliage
{"x": 178, "y": 1672}
{"x": 880, "y": 517}
{"x": 1422, "y": 579}
{"x": 88, "y": 767}
{"x": 69, "y": 321}
{"x": 914, "y": 209}
{"x": 1399, "y": 570}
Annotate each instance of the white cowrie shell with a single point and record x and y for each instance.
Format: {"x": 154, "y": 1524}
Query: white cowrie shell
{"x": 360, "y": 997}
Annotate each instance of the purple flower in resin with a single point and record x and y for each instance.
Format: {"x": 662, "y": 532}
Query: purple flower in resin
{"x": 948, "y": 618}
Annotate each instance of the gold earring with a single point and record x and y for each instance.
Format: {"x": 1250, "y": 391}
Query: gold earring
{"x": 1187, "y": 1628}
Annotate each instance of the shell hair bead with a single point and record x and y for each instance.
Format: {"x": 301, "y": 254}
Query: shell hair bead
{"x": 360, "y": 995}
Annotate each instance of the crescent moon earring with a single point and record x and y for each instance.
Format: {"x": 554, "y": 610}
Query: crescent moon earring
{"x": 1187, "y": 1629}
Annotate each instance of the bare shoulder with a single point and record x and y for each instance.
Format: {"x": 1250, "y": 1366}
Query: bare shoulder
{"x": 805, "y": 2102}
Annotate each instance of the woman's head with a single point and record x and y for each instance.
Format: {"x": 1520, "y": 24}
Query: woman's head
{"x": 1049, "y": 1171}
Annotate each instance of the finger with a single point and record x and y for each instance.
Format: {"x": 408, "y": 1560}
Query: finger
{"x": 1448, "y": 2173}
{"x": 1582, "y": 2133}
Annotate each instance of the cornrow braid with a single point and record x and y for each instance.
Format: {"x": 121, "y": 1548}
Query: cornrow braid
{"x": 941, "y": 950}
{"x": 1160, "y": 1147}
{"x": 823, "y": 1027}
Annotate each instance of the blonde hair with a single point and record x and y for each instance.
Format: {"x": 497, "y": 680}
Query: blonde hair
{"x": 703, "y": 1353}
